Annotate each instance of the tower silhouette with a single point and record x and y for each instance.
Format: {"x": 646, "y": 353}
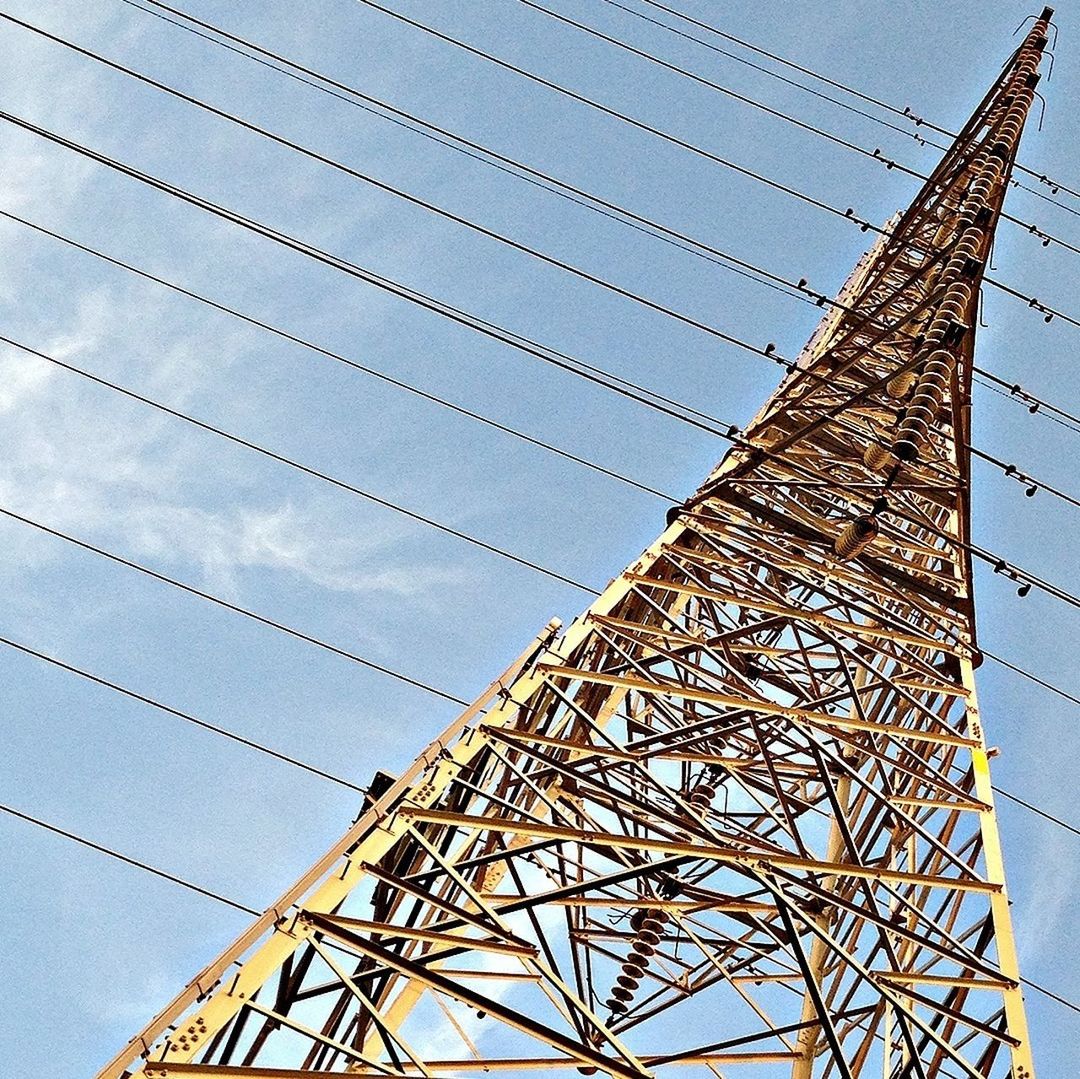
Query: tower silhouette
{"x": 739, "y": 811}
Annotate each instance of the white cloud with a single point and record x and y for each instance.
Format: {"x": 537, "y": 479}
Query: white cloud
{"x": 116, "y": 472}
{"x": 20, "y": 382}
{"x": 1040, "y": 924}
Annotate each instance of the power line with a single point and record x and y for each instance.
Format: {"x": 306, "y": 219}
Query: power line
{"x": 281, "y": 627}
{"x": 1050, "y": 993}
{"x": 1022, "y": 576}
{"x": 769, "y": 72}
{"x": 346, "y": 361}
{"x": 307, "y": 470}
{"x": 217, "y": 897}
{"x": 241, "y": 907}
{"x": 1033, "y": 485}
{"x": 767, "y": 352}
{"x": 176, "y": 713}
{"x": 863, "y": 224}
{"x": 260, "y": 747}
{"x": 693, "y": 76}
{"x": 1033, "y": 404}
{"x": 906, "y": 113}
{"x": 588, "y": 200}
{"x": 415, "y": 200}
{"x": 1071, "y": 697}
{"x": 171, "y": 877}
{"x": 1000, "y": 566}
{"x": 318, "y": 349}
{"x": 626, "y": 388}
{"x": 1039, "y": 812}
{"x": 460, "y": 144}
{"x": 473, "y": 322}
{"x": 615, "y": 114}
{"x": 829, "y": 136}
{"x": 921, "y": 139}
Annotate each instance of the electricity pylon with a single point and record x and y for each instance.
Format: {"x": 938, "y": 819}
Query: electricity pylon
{"x": 740, "y": 811}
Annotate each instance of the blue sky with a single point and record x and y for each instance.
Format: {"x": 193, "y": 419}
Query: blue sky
{"x": 94, "y": 948}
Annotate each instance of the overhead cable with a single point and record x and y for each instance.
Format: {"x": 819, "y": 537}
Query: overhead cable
{"x": 1038, "y": 812}
{"x": 1063, "y": 693}
{"x": 905, "y": 113}
{"x": 789, "y": 118}
{"x": 176, "y": 713}
{"x": 337, "y": 357}
{"x": 516, "y": 341}
{"x": 219, "y": 601}
{"x": 217, "y": 897}
{"x": 1016, "y": 573}
{"x": 916, "y": 135}
{"x": 127, "y": 860}
{"x": 459, "y": 143}
{"x": 767, "y": 352}
{"x": 864, "y": 224}
{"x": 651, "y": 399}
{"x": 415, "y": 200}
{"x": 452, "y": 140}
{"x": 261, "y": 747}
{"x": 1032, "y": 483}
{"x": 280, "y": 458}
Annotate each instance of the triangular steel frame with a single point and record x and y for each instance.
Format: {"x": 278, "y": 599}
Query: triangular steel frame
{"x": 740, "y": 811}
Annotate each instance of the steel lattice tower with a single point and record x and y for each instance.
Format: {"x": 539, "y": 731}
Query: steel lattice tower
{"x": 740, "y": 811}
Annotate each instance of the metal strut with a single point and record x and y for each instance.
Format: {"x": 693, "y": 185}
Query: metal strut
{"x": 740, "y": 811}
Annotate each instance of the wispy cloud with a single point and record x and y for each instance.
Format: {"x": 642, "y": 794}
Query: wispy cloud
{"x": 85, "y": 460}
{"x": 1041, "y": 921}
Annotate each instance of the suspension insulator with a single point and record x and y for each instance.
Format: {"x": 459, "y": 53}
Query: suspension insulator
{"x": 899, "y": 385}
{"x": 923, "y": 406}
{"x": 877, "y": 458}
{"x": 641, "y": 918}
{"x": 855, "y": 537}
{"x": 647, "y": 927}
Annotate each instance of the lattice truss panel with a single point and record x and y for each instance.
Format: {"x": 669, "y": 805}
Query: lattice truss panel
{"x": 740, "y": 811}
